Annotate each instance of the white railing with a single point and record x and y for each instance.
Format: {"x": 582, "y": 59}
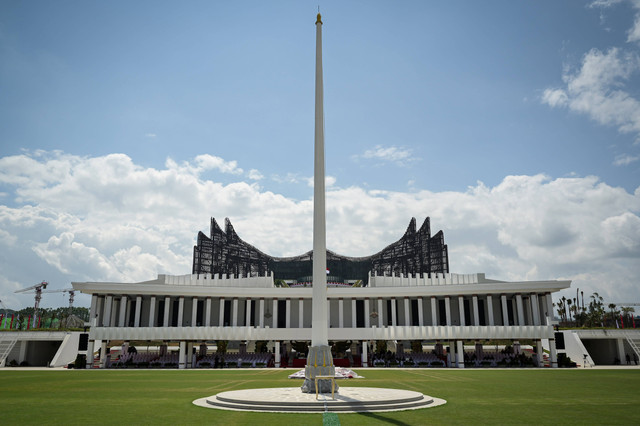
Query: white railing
{"x": 633, "y": 339}
{"x": 425, "y": 280}
{"x": 6, "y": 345}
{"x": 372, "y": 333}
{"x": 607, "y": 334}
{"x": 218, "y": 280}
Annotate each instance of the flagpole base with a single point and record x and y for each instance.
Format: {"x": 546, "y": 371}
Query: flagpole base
{"x": 319, "y": 363}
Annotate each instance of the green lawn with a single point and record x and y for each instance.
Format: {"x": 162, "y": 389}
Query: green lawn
{"x": 473, "y": 396}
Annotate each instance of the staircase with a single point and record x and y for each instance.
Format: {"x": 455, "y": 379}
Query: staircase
{"x": 7, "y": 342}
{"x": 634, "y": 342}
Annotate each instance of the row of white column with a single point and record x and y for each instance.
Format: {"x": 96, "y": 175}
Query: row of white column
{"x": 533, "y": 313}
{"x": 106, "y": 308}
{"x": 111, "y": 318}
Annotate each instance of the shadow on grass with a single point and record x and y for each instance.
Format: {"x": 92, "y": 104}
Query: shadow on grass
{"x": 374, "y": 416}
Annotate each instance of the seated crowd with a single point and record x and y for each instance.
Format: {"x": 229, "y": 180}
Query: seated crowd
{"x": 214, "y": 360}
{"x": 436, "y": 358}
{"x": 471, "y": 359}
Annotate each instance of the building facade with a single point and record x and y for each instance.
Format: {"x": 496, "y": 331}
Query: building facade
{"x": 392, "y": 306}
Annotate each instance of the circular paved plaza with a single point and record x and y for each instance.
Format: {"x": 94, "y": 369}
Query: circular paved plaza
{"x": 293, "y": 400}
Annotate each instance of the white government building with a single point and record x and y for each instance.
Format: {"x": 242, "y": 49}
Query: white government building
{"x": 441, "y": 307}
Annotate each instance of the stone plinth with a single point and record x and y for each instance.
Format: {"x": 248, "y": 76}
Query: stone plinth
{"x": 291, "y": 400}
{"x": 319, "y": 363}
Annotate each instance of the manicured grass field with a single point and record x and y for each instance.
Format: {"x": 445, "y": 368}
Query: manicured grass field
{"x": 473, "y": 396}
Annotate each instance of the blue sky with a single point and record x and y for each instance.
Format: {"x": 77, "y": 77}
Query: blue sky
{"x": 449, "y": 109}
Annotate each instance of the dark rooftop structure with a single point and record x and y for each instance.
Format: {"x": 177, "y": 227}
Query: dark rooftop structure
{"x": 224, "y": 252}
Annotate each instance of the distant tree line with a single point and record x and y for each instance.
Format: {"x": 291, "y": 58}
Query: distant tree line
{"x": 48, "y": 318}
{"x": 597, "y": 313}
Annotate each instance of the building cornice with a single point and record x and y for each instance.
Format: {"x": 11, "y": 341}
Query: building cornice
{"x": 157, "y": 288}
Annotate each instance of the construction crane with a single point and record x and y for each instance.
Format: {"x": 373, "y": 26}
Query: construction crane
{"x": 38, "y": 290}
{"x": 71, "y": 292}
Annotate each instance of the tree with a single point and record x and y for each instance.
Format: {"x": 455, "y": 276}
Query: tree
{"x": 50, "y": 315}
{"x": 612, "y": 307}
{"x": 627, "y": 311}
{"x": 583, "y": 310}
{"x": 562, "y": 310}
{"x": 596, "y": 310}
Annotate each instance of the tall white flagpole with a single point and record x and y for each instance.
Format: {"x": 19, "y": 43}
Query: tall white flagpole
{"x": 319, "y": 359}
{"x": 319, "y": 333}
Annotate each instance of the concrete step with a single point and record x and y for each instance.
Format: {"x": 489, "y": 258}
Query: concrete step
{"x": 319, "y": 407}
{"x": 347, "y": 399}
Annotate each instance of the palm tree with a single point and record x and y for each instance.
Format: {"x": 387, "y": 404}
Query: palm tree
{"x": 561, "y": 308}
{"x": 596, "y": 310}
{"x": 583, "y": 310}
{"x": 626, "y": 313}
{"x": 612, "y": 306}
{"x": 569, "y": 308}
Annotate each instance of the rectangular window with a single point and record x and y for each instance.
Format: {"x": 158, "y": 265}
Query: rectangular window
{"x": 360, "y": 313}
{"x": 200, "y": 313}
{"x": 132, "y": 314}
{"x": 414, "y": 312}
{"x": 282, "y": 313}
{"x": 481, "y": 315}
{"x": 443, "y": 312}
{"x": 510, "y": 312}
{"x": 468, "y": 319}
{"x": 227, "y": 313}
{"x": 174, "y": 315}
{"x": 160, "y": 321}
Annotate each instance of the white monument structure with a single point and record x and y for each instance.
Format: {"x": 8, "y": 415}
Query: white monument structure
{"x": 319, "y": 360}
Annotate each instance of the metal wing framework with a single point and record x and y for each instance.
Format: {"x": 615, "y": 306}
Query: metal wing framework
{"x": 224, "y": 252}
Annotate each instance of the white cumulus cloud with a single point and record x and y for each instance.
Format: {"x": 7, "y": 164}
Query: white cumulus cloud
{"x": 597, "y": 89}
{"x": 108, "y": 219}
{"x": 625, "y": 159}
{"x": 211, "y": 162}
{"x": 602, "y": 86}
{"x": 255, "y": 175}
{"x": 393, "y": 154}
